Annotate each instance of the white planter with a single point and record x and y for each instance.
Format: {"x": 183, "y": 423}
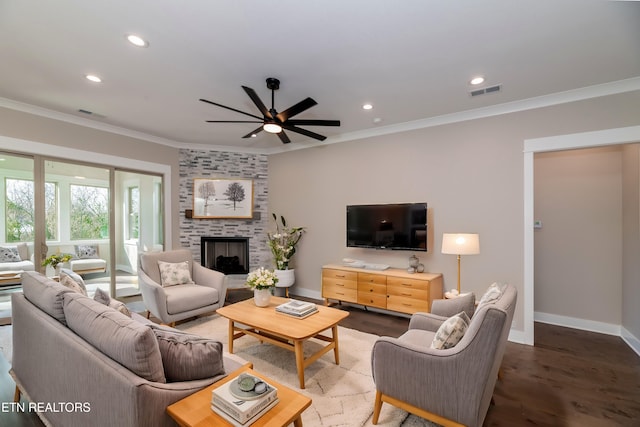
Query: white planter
{"x": 286, "y": 278}
{"x": 261, "y": 297}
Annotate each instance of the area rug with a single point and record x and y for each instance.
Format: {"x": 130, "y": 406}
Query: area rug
{"x": 342, "y": 395}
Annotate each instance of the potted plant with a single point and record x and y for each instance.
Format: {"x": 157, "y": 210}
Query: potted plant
{"x": 262, "y": 281}
{"x": 283, "y": 247}
{"x": 55, "y": 260}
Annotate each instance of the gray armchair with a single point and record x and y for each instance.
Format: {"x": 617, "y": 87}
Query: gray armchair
{"x": 179, "y": 302}
{"x": 454, "y": 386}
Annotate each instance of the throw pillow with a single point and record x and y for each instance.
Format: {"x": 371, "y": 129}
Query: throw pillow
{"x": 493, "y": 293}
{"x": 72, "y": 284}
{"x": 104, "y": 298}
{"x": 187, "y": 357}
{"x": 86, "y": 251}
{"x": 9, "y": 254}
{"x": 174, "y": 273}
{"x": 451, "y": 331}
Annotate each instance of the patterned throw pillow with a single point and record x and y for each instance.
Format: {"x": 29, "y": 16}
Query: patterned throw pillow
{"x": 68, "y": 282}
{"x": 9, "y": 254}
{"x": 493, "y": 293}
{"x": 172, "y": 274}
{"x": 451, "y": 331}
{"x": 86, "y": 251}
{"x": 103, "y": 298}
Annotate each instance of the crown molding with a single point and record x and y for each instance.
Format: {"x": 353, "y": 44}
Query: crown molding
{"x": 605, "y": 89}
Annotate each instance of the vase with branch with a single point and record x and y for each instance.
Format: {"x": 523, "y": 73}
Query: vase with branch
{"x": 283, "y": 247}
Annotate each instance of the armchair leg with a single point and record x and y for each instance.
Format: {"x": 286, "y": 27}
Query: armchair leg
{"x": 16, "y": 395}
{"x": 377, "y": 407}
{"x": 148, "y": 314}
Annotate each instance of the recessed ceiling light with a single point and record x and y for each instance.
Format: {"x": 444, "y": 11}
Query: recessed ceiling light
{"x": 93, "y": 78}
{"x": 253, "y": 135}
{"x": 477, "y": 80}
{"x": 367, "y": 106}
{"x": 137, "y": 40}
{"x": 377, "y": 120}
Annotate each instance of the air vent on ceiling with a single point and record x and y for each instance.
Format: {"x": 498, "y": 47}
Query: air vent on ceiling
{"x": 91, "y": 113}
{"x": 490, "y": 89}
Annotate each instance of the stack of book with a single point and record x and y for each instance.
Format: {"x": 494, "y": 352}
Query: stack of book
{"x": 242, "y": 407}
{"x": 299, "y": 309}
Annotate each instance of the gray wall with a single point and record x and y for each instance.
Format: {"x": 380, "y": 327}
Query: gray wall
{"x": 631, "y": 241}
{"x": 470, "y": 173}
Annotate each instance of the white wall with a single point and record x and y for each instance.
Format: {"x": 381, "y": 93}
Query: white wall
{"x": 631, "y": 245}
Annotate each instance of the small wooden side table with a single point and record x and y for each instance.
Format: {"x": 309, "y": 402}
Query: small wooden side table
{"x": 195, "y": 410}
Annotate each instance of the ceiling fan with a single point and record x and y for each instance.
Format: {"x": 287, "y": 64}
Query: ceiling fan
{"x": 274, "y": 122}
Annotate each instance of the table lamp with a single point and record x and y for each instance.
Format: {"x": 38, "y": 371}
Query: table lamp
{"x": 460, "y": 244}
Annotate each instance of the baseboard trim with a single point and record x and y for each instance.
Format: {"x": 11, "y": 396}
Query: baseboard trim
{"x": 576, "y": 323}
{"x": 631, "y": 340}
{"x": 592, "y": 326}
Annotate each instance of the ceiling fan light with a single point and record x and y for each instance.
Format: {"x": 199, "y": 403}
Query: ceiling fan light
{"x": 272, "y": 128}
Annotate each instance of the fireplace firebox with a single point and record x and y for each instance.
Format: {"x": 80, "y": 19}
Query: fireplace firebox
{"x": 228, "y": 255}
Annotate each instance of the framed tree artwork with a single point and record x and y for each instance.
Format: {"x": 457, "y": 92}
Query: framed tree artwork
{"x": 222, "y": 198}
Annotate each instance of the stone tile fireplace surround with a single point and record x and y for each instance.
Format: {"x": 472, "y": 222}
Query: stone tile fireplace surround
{"x": 218, "y": 164}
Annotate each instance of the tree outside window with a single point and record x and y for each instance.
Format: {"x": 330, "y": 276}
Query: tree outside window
{"x": 89, "y": 212}
{"x": 134, "y": 212}
{"x": 20, "y": 210}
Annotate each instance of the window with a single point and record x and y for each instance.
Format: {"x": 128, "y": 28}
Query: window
{"x": 133, "y": 207}
{"x": 20, "y": 210}
{"x": 89, "y": 217}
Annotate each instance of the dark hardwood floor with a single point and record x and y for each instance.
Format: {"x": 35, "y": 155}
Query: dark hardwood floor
{"x": 570, "y": 378}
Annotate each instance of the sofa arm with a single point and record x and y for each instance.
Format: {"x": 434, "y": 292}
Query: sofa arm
{"x": 204, "y": 276}
{"x": 426, "y": 321}
{"x": 449, "y": 307}
{"x": 153, "y": 295}
{"x": 426, "y": 378}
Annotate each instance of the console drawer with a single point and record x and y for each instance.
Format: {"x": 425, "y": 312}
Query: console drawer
{"x": 372, "y": 278}
{"x": 372, "y": 299}
{"x": 403, "y": 282}
{"x": 406, "y": 305}
{"x": 339, "y": 274}
{"x": 408, "y": 292}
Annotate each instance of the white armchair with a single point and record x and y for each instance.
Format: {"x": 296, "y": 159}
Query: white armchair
{"x": 179, "y": 302}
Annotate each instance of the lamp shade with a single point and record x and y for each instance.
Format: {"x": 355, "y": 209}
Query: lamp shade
{"x": 460, "y": 243}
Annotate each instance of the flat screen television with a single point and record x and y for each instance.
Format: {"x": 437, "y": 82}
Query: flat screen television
{"x": 401, "y": 226}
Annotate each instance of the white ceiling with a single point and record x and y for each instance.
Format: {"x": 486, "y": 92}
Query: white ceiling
{"x": 411, "y": 59}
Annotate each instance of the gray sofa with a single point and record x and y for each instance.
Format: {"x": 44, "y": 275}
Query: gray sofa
{"x": 451, "y": 386}
{"x": 52, "y": 364}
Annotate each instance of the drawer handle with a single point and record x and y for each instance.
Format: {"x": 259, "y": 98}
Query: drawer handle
{"x": 407, "y": 305}
{"x": 404, "y": 294}
{"x": 407, "y": 284}
{"x": 370, "y": 290}
{"x": 340, "y": 284}
{"x": 340, "y": 293}
{"x": 341, "y": 276}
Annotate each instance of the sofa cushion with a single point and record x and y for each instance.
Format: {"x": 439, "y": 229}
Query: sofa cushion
{"x": 492, "y": 294}
{"x": 44, "y": 293}
{"x": 9, "y": 254}
{"x": 103, "y": 298}
{"x": 451, "y": 331}
{"x": 75, "y": 276}
{"x": 189, "y": 297}
{"x": 187, "y": 357}
{"x": 67, "y": 281}
{"x": 174, "y": 273}
{"x": 126, "y": 341}
{"x": 86, "y": 251}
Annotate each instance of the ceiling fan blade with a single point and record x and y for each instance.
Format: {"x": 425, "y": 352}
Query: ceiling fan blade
{"x": 254, "y": 132}
{"x": 256, "y": 100}
{"x": 232, "y": 121}
{"x": 232, "y": 109}
{"x": 310, "y": 122}
{"x": 283, "y": 137}
{"x": 296, "y": 109}
{"x": 305, "y": 132}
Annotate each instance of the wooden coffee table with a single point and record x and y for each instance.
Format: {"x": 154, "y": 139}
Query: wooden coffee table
{"x": 195, "y": 410}
{"x": 288, "y": 332}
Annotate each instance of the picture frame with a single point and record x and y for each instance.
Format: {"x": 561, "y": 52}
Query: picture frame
{"x": 222, "y": 198}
